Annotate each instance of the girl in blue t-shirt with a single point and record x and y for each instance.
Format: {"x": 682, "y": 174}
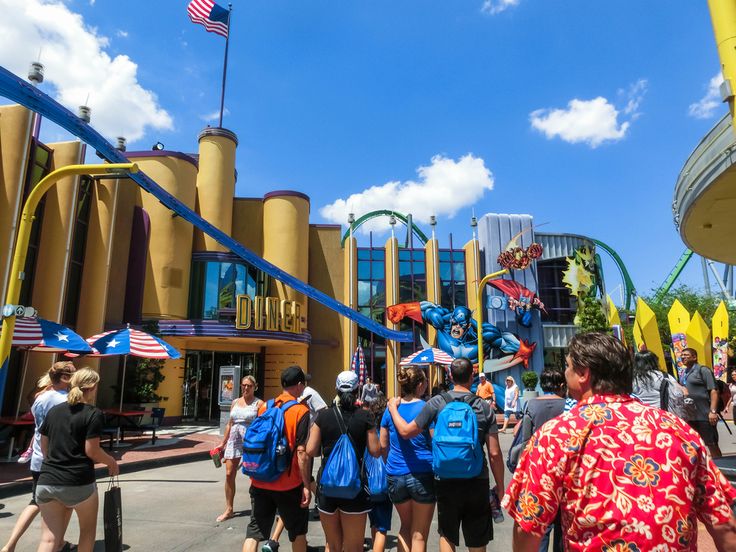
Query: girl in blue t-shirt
{"x": 409, "y": 465}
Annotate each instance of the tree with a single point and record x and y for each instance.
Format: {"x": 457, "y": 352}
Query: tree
{"x": 144, "y": 376}
{"x": 590, "y": 316}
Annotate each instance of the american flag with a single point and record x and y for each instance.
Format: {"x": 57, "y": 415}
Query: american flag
{"x": 214, "y": 18}
{"x": 358, "y": 364}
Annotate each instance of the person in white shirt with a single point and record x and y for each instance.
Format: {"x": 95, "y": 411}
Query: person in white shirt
{"x": 60, "y": 374}
{"x": 370, "y": 391}
{"x": 312, "y": 399}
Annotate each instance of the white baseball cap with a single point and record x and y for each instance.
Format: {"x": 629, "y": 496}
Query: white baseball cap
{"x": 347, "y": 381}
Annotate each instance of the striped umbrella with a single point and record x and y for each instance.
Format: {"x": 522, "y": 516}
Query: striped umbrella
{"x": 427, "y": 356}
{"x": 38, "y": 334}
{"x": 130, "y": 342}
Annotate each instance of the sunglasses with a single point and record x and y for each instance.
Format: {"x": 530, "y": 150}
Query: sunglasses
{"x": 246, "y": 385}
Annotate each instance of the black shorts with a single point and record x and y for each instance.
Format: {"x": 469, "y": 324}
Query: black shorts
{"x": 707, "y": 432}
{"x": 361, "y": 504}
{"x": 35, "y": 475}
{"x": 464, "y": 502}
{"x": 265, "y": 503}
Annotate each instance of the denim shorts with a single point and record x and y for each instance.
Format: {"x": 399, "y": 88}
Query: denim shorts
{"x": 419, "y": 488}
{"x": 68, "y": 495}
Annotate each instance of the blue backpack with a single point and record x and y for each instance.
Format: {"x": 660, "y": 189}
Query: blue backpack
{"x": 375, "y": 477}
{"x": 456, "y": 451}
{"x": 341, "y": 473}
{"x": 266, "y": 453}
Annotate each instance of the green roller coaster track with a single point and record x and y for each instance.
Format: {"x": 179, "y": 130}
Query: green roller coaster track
{"x": 385, "y": 213}
{"x": 629, "y": 289}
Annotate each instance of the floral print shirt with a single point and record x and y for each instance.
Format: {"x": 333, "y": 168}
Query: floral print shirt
{"x": 626, "y": 477}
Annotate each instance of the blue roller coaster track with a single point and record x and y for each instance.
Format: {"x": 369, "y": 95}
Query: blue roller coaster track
{"x": 16, "y": 89}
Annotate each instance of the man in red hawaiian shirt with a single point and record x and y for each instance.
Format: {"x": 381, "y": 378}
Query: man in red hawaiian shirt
{"x": 625, "y": 476}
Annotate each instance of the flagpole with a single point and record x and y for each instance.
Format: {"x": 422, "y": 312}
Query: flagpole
{"x": 224, "y": 66}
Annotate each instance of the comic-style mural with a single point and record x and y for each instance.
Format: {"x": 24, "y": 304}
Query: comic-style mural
{"x": 457, "y": 333}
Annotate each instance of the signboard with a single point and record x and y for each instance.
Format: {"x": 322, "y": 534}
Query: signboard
{"x": 268, "y": 313}
{"x": 228, "y": 387}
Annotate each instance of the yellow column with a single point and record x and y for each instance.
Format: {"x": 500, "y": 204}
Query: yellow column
{"x": 286, "y": 239}
{"x": 15, "y": 128}
{"x": 350, "y": 328}
{"x": 215, "y": 184}
{"x": 49, "y": 287}
{"x": 393, "y": 355}
{"x": 166, "y": 292}
{"x": 472, "y": 272}
{"x": 434, "y": 285}
{"x": 97, "y": 258}
{"x": 286, "y": 244}
{"x": 723, "y": 17}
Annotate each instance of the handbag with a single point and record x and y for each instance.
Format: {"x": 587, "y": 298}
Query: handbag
{"x": 113, "y": 517}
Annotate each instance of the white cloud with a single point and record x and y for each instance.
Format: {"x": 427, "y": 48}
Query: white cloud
{"x": 122, "y": 34}
{"x": 706, "y": 106}
{"x": 77, "y": 65}
{"x": 592, "y": 122}
{"x": 214, "y": 116}
{"x": 442, "y": 188}
{"x": 497, "y": 6}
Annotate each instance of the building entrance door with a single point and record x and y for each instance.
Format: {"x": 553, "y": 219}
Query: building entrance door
{"x": 201, "y": 372}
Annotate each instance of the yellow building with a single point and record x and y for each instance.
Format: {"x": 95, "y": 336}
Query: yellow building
{"x": 104, "y": 254}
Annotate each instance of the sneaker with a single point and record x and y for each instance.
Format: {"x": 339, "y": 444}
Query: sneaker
{"x": 496, "y": 510}
{"x": 26, "y": 456}
{"x": 270, "y": 546}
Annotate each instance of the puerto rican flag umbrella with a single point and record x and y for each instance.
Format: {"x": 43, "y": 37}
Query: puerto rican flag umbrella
{"x": 37, "y": 334}
{"x": 427, "y": 356}
{"x": 130, "y": 342}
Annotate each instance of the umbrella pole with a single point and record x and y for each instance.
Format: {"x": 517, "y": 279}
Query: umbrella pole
{"x": 122, "y": 389}
{"x": 22, "y": 382}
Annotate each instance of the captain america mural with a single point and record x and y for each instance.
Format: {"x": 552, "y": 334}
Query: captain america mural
{"x": 457, "y": 333}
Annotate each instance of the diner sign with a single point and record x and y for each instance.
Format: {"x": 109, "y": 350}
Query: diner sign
{"x": 268, "y": 313}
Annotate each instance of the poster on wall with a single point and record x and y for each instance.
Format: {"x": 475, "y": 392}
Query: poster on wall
{"x": 228, "y": 390}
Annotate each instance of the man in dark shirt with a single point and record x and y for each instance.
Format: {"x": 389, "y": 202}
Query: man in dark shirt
{"x": 702, "y": 396}
{"x": 461, "y": 501}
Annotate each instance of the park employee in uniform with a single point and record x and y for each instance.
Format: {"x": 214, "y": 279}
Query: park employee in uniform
{"x": 289, "y": 494}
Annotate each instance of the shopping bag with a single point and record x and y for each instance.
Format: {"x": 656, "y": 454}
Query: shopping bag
{"x": 113, "y": 517}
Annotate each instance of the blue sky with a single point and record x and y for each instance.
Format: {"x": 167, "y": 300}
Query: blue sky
{"x": 576, "y": 112}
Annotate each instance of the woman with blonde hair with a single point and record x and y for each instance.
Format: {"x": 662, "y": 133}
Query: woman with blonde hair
{"x": 243, "y": 411}
{"x": 409, "y": 465}
{"x": 70, "y": 441}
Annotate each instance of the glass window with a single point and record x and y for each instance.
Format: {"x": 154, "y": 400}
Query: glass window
{"x": 364, "y": 270}
{"x": 364, "y": 254}
{"x": 378, "y": 270}
{"x": 216, "y": 285}
{"x": 452, "y": 278}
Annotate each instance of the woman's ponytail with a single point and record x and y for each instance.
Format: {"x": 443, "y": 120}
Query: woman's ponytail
{"x": 81, "y": 380}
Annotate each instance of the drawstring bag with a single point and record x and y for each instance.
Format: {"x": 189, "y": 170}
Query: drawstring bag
{"x": 341, "y": 474}
{"x": 375, "y": 477}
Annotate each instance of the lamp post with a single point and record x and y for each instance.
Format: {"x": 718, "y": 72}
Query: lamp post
{"x": 479, "y": 311}
{"x": 21, "y": 247}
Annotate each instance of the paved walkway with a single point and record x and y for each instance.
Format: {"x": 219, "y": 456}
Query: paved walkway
{"x": 184, "y": 444}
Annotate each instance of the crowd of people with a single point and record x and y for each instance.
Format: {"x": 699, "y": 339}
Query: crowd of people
{"x": 614, "y": 456}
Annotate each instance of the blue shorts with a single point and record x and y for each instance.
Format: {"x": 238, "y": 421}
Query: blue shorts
{"x": 380, "y": 516}
{"x": 419, "y": 488}
{"x": 508, "y": 413}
